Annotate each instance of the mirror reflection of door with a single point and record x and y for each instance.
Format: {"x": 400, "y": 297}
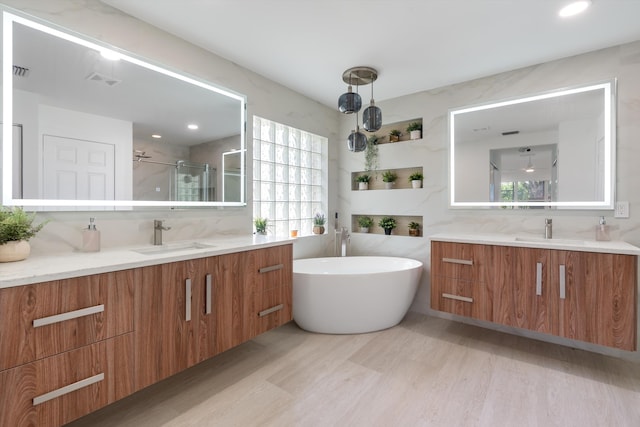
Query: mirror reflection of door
{"x": 77, "y": 169}
{"x": 231, "y": 176}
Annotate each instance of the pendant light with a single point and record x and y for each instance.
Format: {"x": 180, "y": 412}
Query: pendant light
{"x": 357, "y": 141}
{"x": 349, "y": 102}
{"x": 372, "y": 115}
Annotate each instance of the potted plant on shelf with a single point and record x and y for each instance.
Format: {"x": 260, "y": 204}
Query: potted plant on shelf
{"x": 394, "y": 135}
{"x": 389, "y": 177}
{"x": 365, "y": 222}
{"x": 387, "y": 223}
{"x": 415, "y": 130}
{"x": 414, "y": 229}
{"x": 16, "y": 228}
{"x": 416, "y": 179}
{"x": 261, "y": 225}
{"x": 363, "y": 182}
{"x": 318, "y": 223}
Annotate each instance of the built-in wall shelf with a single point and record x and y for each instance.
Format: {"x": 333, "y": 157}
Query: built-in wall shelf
{"x": 383, "y": 132}
{"x": 376, "y": 182}
{"x": 402, "y": 222}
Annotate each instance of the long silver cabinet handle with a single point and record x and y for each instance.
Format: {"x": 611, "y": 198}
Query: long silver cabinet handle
{"x": 270, "y": 310}
{"x": 271, "y": 268}
{"x": 457, "y": 297}
{"x": 563, "y": 285}
{"x": 67, "y": 389}
{"x": 458, "y": 261}
{"x": 187, "y": 300}
{"x": 68, "y": 315}
{"x": 208, "y": 303}
{"x": 539, "y": 278}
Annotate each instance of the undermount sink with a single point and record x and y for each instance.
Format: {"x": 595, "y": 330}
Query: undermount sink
{"x": 172, "y": 247}
{"x": 549, "y": 241}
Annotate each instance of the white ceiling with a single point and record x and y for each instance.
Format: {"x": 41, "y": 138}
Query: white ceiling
{"x": 415, "y": 45}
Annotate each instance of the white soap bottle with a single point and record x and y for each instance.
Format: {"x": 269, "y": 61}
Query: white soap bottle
{"x": 91, "y": 237}
{"x": 602, "y": 230}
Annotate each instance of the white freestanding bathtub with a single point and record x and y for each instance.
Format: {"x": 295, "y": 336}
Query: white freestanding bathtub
{"x": 350, "y": 295}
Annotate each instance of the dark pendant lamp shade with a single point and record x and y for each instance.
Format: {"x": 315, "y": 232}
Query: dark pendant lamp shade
{"x": 357, "y": 141}
{"x": 349, "y": 102}
{"x": 372, "y": 118}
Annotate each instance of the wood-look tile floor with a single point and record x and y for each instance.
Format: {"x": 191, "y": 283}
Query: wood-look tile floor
{"x": 423, "y": 372}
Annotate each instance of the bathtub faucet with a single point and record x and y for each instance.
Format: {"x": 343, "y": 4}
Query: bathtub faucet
{"x": 342, "y": 238}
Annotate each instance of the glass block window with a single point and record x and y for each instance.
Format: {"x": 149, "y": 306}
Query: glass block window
{"x": 289, "y": 177}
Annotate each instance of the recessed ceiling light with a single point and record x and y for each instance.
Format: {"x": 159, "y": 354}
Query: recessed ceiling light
{"x": 192, "y": 126}
{"x": 110, "y": 55}
{"x": 156, "y": 136}
{"x": 574, "y": 8}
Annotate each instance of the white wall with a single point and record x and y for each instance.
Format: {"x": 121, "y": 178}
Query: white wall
{"x": 264, "y": 98}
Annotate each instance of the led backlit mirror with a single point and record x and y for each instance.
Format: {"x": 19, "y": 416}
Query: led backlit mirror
{"x": 85, "y": 129}
{"x": 550, "y": 150}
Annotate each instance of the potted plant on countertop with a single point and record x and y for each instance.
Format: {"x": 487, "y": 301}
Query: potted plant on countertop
{"x": 318, "y": 223}
{"x": 415, "y": 130}
{"x": 416, "y": 179}
{"x": 363, "y": 181}
{"x": 261, "y": 225}
{"x": 387, "y": 223}
{"x": 394, "y": 135}
{"x": 365, "y": 222}
{"x": 389, "y": 177}
{"x": 16, "y": 228}
{"x": 414, "y": 229}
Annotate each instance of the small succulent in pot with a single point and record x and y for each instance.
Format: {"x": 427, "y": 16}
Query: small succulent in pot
{"x": 261, "y": 225}
{"x": 416, "y": 179}
{"x": 16, "y": 228}
{"x": 387, "y": 223}
{"x": 415, "y": 130}
{"x": 389, "y": 176}
{"x": 365, "y": 222}
{"x": 414, "y": 229}
{"x": 363, "y": 181}
{"x": 394, "y": 135}
{"x": 318, "y": 223}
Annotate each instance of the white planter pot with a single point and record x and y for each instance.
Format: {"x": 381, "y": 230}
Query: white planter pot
{"x": 14, "y": 251}
{"x": 364, "y": 229}
{"x": 388, "y": 185}
{"x": 363, "y": 186}
{"x": 416, "y": 183}
{"x": 415, "y": 134}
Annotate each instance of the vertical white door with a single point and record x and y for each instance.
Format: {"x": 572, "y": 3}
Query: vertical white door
{"x": 76, "y": 169}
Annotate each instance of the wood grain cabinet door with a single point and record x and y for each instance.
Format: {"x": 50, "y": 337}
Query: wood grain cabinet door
{"x": 48, "y": 318}
{"x": 597, "y": 296}
{"x": 231, "y": 302}
{"x": 269, "y": 285}
{"x": 521, "y": 292}
{"x": 58, "y": 389}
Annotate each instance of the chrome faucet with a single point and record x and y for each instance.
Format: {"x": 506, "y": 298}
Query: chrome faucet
{"x": 158, "y": 227}
{"x": 548, "y": 228}
{"x": 342, "y": 238}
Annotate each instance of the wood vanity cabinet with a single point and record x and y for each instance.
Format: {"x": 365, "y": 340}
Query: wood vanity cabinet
{"x": 459, "y": 279}
{"x": 175, "y": 322}
{"x": 586, "y": 296}
{"x": 65, "y": 348}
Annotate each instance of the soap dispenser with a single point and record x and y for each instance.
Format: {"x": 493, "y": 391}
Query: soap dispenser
{"x": 602, "y": 230}
{"x": 91, "y": 237}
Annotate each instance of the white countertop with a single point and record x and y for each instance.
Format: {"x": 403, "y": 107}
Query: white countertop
{"x": 530, "y": 241}
{"x": 45, "y": 268}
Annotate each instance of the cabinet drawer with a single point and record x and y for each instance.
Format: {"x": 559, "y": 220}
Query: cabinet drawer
{"x": 48, "y": 318}
{"x": 271, "y": 267}
{"x": 461, "y": 297}
{"x": 58, "y": 389}
{"x": 271, "y": 308}
{"x": 458, "y": 260}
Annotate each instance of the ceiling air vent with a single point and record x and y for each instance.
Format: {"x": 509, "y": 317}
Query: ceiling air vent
{"x": 101, "y": 78}
{"x": 19, "y": 71}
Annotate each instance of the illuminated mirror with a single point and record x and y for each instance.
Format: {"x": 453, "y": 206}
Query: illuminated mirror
{"x": 550, "y": 150}
{"x": 90, "y": 126}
